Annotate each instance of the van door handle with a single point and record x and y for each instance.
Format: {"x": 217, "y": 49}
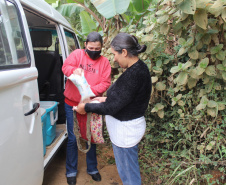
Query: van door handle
{"x": 35, "y": 107}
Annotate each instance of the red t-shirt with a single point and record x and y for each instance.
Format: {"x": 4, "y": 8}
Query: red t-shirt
{"x": 97, "y": 73}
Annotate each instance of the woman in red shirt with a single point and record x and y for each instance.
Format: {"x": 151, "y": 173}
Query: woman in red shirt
{"x": 97, "y": 71}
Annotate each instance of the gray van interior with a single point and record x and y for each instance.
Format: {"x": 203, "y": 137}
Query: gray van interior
{"x": 48, "y": 60}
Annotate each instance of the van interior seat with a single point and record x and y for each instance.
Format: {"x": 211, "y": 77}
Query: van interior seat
{"x": 48, "y": 65}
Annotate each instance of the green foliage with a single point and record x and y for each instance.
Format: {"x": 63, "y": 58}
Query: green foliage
{"x": 186, "y": 122}
{"x": 88, "y": 25}
{"x": 110, "y": 8}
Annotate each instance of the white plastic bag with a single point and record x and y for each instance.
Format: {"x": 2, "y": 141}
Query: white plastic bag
{"x": 82, "y": 85}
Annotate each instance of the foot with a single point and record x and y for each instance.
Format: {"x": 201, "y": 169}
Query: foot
{"x": 71, "y": 180}
{"x": 96, "y": 176}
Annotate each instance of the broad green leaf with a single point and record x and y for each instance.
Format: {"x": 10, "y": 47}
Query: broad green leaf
{"x": 202, "y": 93}
{"x": 51, "y": 1}
{"x": 211, "y": 112}
{"x": 201, "y": 106}
{"x": 193, "y": 54}
{"x": 210, "y": 145}
{"x": 202, "y": 55}
{"x": 200, "y": 44}
{"x": 220, "y": 67}
{"x": 161, "y": 113}
{"x": 211, "y": 71}
{"x": 175, "y": 69}
{"x": 189, "y": 42}
{"x": 199, "y": 70}
{"x": 162, "y": 19}
{"x": 183, "y": 16}
{"x": 141, "y": 6}
{"x": 221, "y": 106}
{"x": 220, "y": 55}
{"x": 193, "y": 73}
{"x": 206, "y": 79}
{"x": 164, "y": 29}
{"x": 188, "y": 6}
{"x": 181, "y": 51}
{"x": 154, "y": 79}
{"x": 147, "y": 38}
{"x": 186, "y": 65}
{"x": 110, "y": 8}
{"x": 182, "y": 41}
{"x": 215, "y": 11}
{"x": 212, "y": 22}
{"x": 211, "y": 104}
{"x": 192, "y": 83}
{"x": 160, "y": 12}
{"x": 177, "y": 1}
{"x": 212, "y": 31}
{"x": 182, "y": 78}
{"x": 159, "y": 106}
{"x": 224, "y": 63}
{"x": 88, "y": 25}
{"x": 206, "y": 39}
{"x": 202, "y": 3}
{"x": 204, "y": 63}
{"x": 200, "y": 18}
{"x": 166, "y": 61}
{"x": 160, "y": 86}
{"x": 204, "y": 100}
{"x": 201, "y": 148}
{"x": 69, "y": 9}
{"x": 216, "y": 49}
{"x": 180, "y": 111}
{"x": 179, "y": 96}
{"x": 154, "y": 109}
{"x": 173, "y": 103}
{"x": 218, "y": 4}
{"x": 159, "y": 63}
{"x": 181, "y": 103}
{"x": 157, "y": 70}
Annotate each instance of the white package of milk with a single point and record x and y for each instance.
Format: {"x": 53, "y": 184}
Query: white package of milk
{"x": 82, "y": 85}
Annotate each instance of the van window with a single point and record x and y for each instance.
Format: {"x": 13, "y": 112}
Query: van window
{"x": 54, "y": 38}
{"x": 71, "y": 44}
{"x": 12, "y": 45}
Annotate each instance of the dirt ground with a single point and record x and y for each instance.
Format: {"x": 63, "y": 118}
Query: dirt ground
{"x": 55, "y": 171}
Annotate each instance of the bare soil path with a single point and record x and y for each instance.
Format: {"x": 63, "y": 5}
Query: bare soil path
{"x": 55, "y": 172}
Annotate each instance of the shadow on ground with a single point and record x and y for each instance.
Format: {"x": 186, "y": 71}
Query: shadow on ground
{"x": 55, "y": 171}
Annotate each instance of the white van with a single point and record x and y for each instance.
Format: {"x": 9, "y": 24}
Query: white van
{"x": 34, "y": 41}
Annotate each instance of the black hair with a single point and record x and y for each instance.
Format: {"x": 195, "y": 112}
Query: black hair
{"x": 128, "y": 42}
{"x": 94, "y": 37}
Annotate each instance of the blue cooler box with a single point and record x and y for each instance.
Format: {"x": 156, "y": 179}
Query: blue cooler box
{"x": 52, "y": 117}
{"x": 44, "y": 119}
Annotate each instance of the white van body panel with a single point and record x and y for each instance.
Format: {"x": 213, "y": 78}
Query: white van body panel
{"x": 21, "y": 143}
{"x": 44, "y": 8}
{"x": 20, "y": 136}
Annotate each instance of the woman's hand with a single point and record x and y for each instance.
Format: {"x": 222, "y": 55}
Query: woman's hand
{"x": 78, "y": 71}
{"x": 80, "y": 108}
{"x": 100, "y": 99}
